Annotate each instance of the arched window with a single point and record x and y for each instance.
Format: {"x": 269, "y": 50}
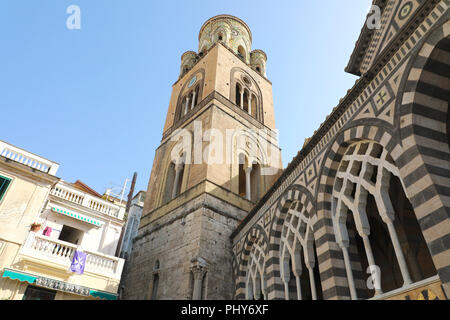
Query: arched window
{"x": 174, "y": 179}
{"x": 195, "y": 99}
{"x": 170, "y": 177}
{"x": 242, "y": 164}
{"x": 184, "y": 107}
{"x": 155, "y": 286}
{"x": 245, "y": 102}
{"x": 241, "y": 53}
{"x": 155, "y": 282}
{"x": 254, "y": 106}
{"x": 238, "y": 95}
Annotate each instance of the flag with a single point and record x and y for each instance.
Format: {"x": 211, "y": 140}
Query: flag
{"x": 78, "y": 262}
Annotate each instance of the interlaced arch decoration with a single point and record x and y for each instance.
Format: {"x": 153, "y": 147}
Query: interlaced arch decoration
{"x": 297, "y": 244}
{"x": 294, "y": 218}
{"x": 252, "y": 273}
{"x": 366, "y": 169}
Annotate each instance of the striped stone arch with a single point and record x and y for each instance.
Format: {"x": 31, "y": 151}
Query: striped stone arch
{"x": 255, "y": 240}
{"x": 330, "y": 257}
{"x": 296, "y": 196}
{"x": 424, "y": 130}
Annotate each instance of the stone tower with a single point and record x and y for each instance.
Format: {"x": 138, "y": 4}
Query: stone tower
{"x": 218, "y": 156}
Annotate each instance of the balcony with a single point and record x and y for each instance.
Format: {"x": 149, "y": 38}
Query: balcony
{"x": 66, "y": 192}
{"x": 60, "y": 253}
{"x": 27, "y": 158}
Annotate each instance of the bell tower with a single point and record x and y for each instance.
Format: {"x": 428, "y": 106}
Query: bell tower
{"x": 218, "y": 156}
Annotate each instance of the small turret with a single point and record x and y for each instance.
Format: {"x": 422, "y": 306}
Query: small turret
{"x": 188, "y": 60}
{"x": 258, "y": 60}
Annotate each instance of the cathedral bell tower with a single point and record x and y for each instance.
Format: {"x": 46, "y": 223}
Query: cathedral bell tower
{"x": 218, "y": 156}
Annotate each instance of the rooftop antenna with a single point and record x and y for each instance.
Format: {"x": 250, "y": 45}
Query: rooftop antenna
{"x": 117, "y": 192}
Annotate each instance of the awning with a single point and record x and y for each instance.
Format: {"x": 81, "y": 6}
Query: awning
{"x": 79, "y": 216}
{"x": 103, "y": 295}
{"x": 17, "y": 275}
{"x": 56, "y": 284}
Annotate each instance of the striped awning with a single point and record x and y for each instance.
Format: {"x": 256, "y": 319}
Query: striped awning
{"x": 18, "y": 275}
{"x": 78, "y": 216}
{"x": 56, "y": 284}
{"x": 103, "y": 295}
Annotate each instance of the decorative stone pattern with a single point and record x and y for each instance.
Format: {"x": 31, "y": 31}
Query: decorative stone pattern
{"x": 400, "y": 106}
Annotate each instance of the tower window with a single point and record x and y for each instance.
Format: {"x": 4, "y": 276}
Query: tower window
{"x": 155, "y": 286}
{"x": 238, "y": 95}
{"x": 242, "y": 185}
{"x": 241, "y": 52}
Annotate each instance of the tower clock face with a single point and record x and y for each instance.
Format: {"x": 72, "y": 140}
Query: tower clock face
{"x": 193, "y": 80}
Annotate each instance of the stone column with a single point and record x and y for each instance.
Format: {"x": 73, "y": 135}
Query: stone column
{"x": 193, "y": 100}
{"x": 249, "y": 104}
{"x": 242, "y": 99}
{"x": 176, "y": 182}
{"x": 343, "y": 242}
{"x": 312, "y": 281}
{"x": 186, "y": 108}
{"x": 348, "y": 270}
{"x": 199, "y": 273}
{"x": 363, "y": 228}
{"x": 248, "y": 188}
{"x": 386, "y": 211}
{"x": 297, "y": 274}
{"x": 310, "y": 263}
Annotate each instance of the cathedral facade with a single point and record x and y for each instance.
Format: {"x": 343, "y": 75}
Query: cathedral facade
{"x": 362, "y": 211}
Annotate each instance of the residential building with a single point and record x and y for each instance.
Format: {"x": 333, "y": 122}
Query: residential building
{"x": 44, "y": 222}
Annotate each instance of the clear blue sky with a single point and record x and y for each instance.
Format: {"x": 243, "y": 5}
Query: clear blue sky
{"x": 95, "y": 99}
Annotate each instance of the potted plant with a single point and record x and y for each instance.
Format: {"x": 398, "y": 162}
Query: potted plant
{"x": 35, "y": 226}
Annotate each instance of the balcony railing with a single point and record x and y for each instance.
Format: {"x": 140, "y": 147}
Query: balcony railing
{"x": 27, "y": 158}
{"x": 86, "y": 200}
{"x": 412, "y": 291}
{"x": 61, "y": 253}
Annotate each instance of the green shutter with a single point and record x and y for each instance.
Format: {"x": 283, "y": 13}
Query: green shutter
{"x": 4, "y": 184}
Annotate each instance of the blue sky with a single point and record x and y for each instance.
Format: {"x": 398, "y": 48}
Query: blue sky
{"x": 95, "y": 99}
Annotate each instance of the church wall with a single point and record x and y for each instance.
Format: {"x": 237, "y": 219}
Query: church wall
{"x": 387, "y": 108}
{"x": 201, "y": 228}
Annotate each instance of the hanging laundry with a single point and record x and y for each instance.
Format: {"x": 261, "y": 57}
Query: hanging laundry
{"x": 78, "y": 262}
{"x": 47, "y": 231}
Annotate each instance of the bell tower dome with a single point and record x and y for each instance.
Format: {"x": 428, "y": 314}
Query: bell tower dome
{"x": 230, "y": 31}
